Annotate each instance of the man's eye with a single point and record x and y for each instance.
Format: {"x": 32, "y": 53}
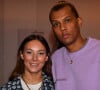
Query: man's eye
{"x": 55, "y": 24}
{"x": 67, "y": 20}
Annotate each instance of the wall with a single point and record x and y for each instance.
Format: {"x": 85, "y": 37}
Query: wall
{"x": 1, "y": 41}
{"x": 19, "y": 18}
{"x": 89, "y": 11}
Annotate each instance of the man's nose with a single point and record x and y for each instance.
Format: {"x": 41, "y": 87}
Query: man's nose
{"x": 62, "y": 26}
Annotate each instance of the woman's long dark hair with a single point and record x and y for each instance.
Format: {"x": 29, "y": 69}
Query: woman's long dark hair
{"x": 19, "y": 68}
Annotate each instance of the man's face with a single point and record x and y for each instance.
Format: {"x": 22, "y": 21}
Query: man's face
{"x": 65, "y": 25}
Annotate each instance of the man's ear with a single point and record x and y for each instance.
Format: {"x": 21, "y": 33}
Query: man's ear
{"x": 80, "y": 21}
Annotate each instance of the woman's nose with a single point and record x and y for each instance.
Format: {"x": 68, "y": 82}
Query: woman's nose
{"x": 34, "y": 57}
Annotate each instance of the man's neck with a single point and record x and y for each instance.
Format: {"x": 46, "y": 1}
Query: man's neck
{"x": 77, "y": 45}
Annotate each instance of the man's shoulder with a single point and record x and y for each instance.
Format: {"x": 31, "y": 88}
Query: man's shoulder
{"x": 94, "y": 41}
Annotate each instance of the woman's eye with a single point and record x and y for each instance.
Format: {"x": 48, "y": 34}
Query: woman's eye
{"x": 28, "y": 52}
{"x": 41, "y": 53}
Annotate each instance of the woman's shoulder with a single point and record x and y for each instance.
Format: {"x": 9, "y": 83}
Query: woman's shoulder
{"x": 12, "y": 85}
{"x": 48, "y": 82}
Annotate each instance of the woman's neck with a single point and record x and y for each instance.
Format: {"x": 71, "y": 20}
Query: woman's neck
{"x": 32, "y": 78}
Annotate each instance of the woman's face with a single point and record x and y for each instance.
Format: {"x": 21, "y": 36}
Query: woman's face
{"x": 34, "y": 56}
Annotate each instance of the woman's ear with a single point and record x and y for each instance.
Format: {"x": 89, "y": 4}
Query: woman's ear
{"x": 21, "y": 55}
{"x": 46, "y": 58}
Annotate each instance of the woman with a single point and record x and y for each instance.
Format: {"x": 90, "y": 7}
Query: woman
{"x": 33, "y": 68}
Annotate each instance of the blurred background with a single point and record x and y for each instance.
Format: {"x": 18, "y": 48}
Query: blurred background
{"x": 19, "y": 18}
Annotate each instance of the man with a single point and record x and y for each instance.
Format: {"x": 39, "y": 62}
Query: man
{"x": 76, "y": 65}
